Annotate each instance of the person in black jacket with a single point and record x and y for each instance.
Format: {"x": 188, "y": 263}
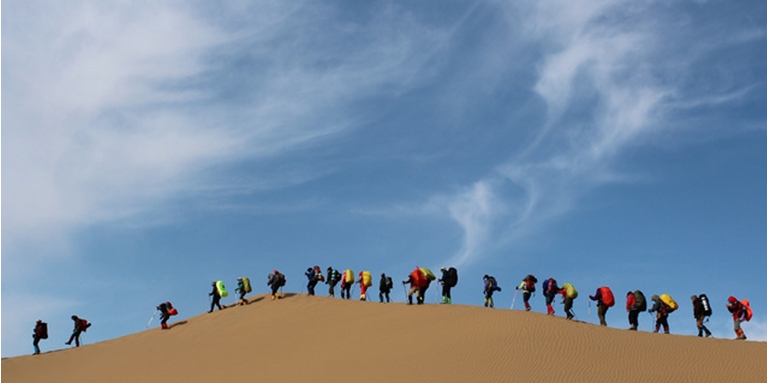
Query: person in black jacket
{"x": 81, "y": 325}
{"x": 699, "y": 312}
{"x": 276, "y": 280}
{"x": 40, "y": 332}
{"x": 449, "y": 280}
{"x": 384, "y": 288}
{"x": 662, "y": 314}
{"x": 164, "y": 314}
{"x": 216, "y": 301}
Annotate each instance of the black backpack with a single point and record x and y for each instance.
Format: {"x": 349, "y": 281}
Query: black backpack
{"x": 493, "y": 283}
{"x": 452, "y": 277}
{"x": 706, "y": 305}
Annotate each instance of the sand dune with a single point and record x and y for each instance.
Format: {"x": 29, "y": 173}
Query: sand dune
{"x": 318, "y": 339}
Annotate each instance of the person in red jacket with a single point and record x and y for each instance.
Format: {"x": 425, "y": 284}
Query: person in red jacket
{"x": 738, "y": 316}
{"x": 631, "y": 307}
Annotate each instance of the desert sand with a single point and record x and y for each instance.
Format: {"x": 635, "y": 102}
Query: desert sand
{"x": 318, "y": 339}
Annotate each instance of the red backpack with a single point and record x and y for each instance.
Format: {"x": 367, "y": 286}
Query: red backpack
{"x": 607, "y": 296}
{"x": 747, "y": 308}
{"x": 84, "y": 324}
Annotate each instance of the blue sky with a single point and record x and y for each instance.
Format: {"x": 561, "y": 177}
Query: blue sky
{"x": 149, "y": 148}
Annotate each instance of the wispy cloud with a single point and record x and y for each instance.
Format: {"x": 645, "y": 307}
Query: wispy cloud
{"x": 604, "y": 77}
{"x": 116, "y": 108}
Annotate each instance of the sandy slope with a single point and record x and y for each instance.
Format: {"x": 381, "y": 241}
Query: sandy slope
{"x": 303, "y": 339}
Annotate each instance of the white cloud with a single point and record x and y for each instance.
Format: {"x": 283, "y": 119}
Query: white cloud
{"x": 109, "y": 113}
{"x": 590, "y": 68}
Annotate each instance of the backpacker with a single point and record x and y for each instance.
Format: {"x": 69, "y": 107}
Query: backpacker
{"x": 669, "y": 302}
{"x": 747, "y": 307}
{"x": 452, "y": 277}
{"x": 246, "y": 284}
{"x": 607, "y": 296}
{"x": 641, "y": 300}
{"x": 570, "y": 290}
{"x": 706, "y": 305}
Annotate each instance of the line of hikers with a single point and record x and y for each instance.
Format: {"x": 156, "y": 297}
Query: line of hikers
{"x": 421, "y": 278}
{"x": 40, "y": 332}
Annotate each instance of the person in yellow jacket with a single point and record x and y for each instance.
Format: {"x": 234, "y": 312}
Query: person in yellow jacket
{"x": 528, "y": 287}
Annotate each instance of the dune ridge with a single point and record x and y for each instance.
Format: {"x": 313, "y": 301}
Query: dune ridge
{"x": 318, "y": 339}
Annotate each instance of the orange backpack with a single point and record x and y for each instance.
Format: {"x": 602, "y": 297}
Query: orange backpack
{"x": 747, "y": 308}
{"x": 607, "y": 296}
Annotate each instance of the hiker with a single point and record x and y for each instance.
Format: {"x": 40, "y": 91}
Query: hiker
{"x": 635, "y": 304}
{"x": 276, "y": 280}
{"x": 413, "y": 289}
{"x": 312, "y": 276}
{"x": 449, "y": 280}
{"x": 699, "y": 312}
{"x": 166, "y": 311}
{"x": 347, "y": 280}
{"x": 528, "y": 287}
{"x": 569, "y": 293}
{"x": 550, "y": 290}
{"x": 333, "y": 277}
{"x": 662, "y": 310}
{"x": 216, "y": 301}
{"x": 491, "y": 285}
{"x": 384, "y": 288}
{"x": 243, "y": 287}
{"x": 365, "y": 281}
{"x": 740, "y": 313}
{"x": 40, "y": 332}
{"x": 605, "y": 300}
{"x": 81, "y": 325}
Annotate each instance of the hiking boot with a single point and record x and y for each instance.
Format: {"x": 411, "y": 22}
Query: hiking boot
{"x": 708, "y": 335}
{"x": 527, "y": 308}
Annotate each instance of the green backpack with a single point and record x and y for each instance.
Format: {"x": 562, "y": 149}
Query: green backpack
{"x": 641, "y": 301}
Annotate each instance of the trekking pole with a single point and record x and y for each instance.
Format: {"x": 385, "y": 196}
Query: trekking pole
{"x": 589, "y": 311}
{"x": 151, "y": 319}
{"x": 514, "y": 299}
{"x": 404, "y": 290}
